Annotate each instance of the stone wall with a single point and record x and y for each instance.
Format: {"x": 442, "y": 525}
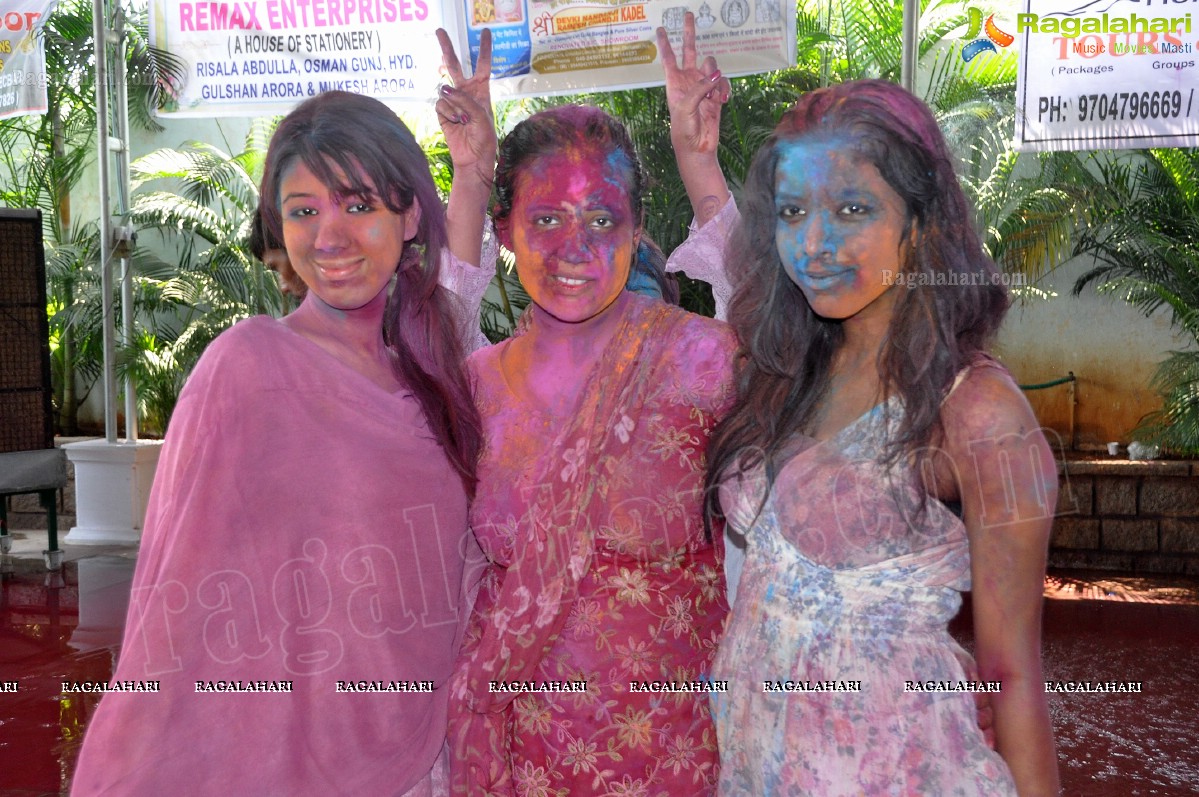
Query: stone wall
{"x": 1136, "y": 517}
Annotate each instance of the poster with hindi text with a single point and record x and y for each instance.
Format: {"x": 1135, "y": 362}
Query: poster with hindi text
{"x": 23, "y": 57}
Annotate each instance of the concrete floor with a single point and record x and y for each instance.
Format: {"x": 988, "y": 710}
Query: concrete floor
{"x": 1099, "y": 627}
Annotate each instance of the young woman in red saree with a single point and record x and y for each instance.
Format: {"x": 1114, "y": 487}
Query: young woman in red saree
{"x": 596, "y": 419}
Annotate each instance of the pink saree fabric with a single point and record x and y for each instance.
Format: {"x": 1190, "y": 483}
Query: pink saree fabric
{"x": 303, "y": 527}
{"x": 702, "y": 257}
{"x": 600, "y": 573}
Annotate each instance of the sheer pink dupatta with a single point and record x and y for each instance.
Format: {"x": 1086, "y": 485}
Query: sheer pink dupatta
{"x": 537, "y": 591}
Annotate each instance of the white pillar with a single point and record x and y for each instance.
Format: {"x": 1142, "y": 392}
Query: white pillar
{"x": 112, "y": 486}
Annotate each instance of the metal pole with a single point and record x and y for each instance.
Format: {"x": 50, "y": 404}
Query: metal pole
{"x": 1073, "y": 398}
{"x": 121, "y": 148}
{"x": 911, "y": 43}
{"x": 110, "y": 383}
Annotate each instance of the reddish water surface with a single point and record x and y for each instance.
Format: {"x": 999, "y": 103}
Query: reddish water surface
{"x": 1102, "y": 629}
{"x": 1098, "y": 627}
{"x": 53, "y": 628}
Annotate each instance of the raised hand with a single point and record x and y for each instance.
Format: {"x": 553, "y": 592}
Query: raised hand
{"x": 464, "y": 111}
{"x": 695, "y": 92}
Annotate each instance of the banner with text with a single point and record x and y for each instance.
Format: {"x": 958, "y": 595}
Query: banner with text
{"x": 262, "y": 57}
{"x": 1114, "y": 75}
{"x": 23, "y": 57}
{"x": 543, "y": 47}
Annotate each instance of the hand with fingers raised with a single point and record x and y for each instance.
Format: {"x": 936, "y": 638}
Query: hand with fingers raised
{"x": 695, "y": 92}
{"x": 464, "y": 111}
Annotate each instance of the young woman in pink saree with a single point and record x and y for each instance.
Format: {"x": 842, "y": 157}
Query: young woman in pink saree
{"x": 584, "y": 667}
{"x": 300, "y": 590}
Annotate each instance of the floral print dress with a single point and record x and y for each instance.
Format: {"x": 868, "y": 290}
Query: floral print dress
{"x": 838, "y": 635}
{"x": 650, "y": 605}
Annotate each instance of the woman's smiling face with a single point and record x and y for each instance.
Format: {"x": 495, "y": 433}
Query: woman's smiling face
{"x": 840, "y": 227}
{"x": 572, "y": 231}
{"x": 345, "y": 248}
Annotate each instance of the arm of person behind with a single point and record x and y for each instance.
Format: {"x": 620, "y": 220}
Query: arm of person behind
{"x": 468, "y": 284}
{"x": 1007, "y": 481}
{"x": 695, "y": 94}
{"x": 702, "y": 255}
{"x": 464, "y": 112}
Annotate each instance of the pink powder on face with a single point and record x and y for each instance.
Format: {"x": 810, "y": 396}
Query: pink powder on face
{"x": 573, "y": 231}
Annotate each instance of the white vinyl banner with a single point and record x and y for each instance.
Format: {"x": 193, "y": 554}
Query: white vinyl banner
{"x": 262, "y": 57}
{"x": 1116, "y": 74}
{"x": 23, "y": 57}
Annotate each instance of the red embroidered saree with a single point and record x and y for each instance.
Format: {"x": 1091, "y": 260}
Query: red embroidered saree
{"x": 600, "y": 573}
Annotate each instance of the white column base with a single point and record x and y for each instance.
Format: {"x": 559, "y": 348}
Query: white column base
{"x": 112, "y": 487}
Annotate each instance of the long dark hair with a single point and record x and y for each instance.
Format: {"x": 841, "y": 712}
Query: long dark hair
{"x": 356, "y": 145}
{"x": 555, "y": 129}
{"x": 940, "y": 324}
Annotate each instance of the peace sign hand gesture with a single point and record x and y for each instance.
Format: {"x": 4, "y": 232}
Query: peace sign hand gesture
{"x": 464, "y": 111}
{"x": 695, "y": 93}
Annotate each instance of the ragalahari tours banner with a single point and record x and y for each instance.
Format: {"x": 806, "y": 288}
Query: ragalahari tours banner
{"x": 1107, "y": 74}
{"x": 23, "y": 57}
{"x": 262, "y": 57}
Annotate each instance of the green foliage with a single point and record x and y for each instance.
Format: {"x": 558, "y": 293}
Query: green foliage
{"x": 201, "y": 202}
{"x": 498, "y": 317}
{"x": 76, "y": 331}
{"x": 43, "y": 158}
{"x": 1144, "y": 236}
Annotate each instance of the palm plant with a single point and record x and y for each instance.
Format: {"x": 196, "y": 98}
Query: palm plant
{"x": 1144, "y": 237}
{"x": 843, "y": 41}
{"x": 45, "y": 156}
{"x": 201, "y": 201}
{"x": 76, "y": 334}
